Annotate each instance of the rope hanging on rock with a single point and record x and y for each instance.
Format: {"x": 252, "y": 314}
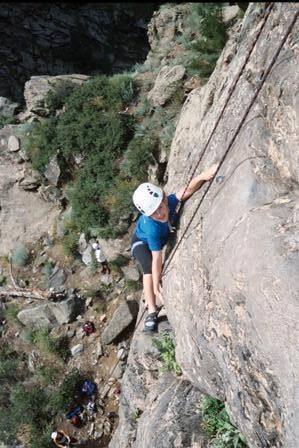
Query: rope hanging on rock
{"x": 263, "y": 79}
{"x": 230, "y": 92}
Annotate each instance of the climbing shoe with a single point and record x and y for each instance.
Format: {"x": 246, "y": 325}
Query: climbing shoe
{"x": 151, "y": 323}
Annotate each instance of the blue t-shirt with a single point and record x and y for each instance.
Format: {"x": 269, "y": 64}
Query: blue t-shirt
{"x": 156, "y": 233}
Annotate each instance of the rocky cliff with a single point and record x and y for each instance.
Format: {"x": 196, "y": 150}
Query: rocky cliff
{"x": 231, "y": 287}
{"x": 60, "y": 38}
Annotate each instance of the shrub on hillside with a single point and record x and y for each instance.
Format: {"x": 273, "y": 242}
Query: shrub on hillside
{"x": 20, "y": 255}
{"x": 204, "y": 37}
{"x": 41, "y": 144}
{"x": 65, "y": 394}
{"x": 57, "y": 96}
{"x": 138, "y": 157}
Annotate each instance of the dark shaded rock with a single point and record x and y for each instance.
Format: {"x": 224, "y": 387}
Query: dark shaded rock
{"x": 60, "y": 38}
{"x": 57, "y": 278}
{"x": 123, "y": 317}
{"x": 50, "y": 314}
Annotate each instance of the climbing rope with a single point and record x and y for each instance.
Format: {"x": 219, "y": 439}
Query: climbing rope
{"x": 263, "y": 79}
{"x": 230, "y": 92}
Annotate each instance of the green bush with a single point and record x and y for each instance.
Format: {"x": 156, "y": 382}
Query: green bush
{"x": 29, "y": 406}
{"x": 204, "y": 38}
{"x": 11, "y": 312}
{"x": 217, "y": 425}
{"x": 41, "y": 144}
{"x": 166, "y": 347}
{"x": 138, "y": 157}
{"x": 70, "y": 239}
{"x": 48, "y": 375}
{"x": 48, "y": 269}
{"x": 7, "y": 120}
{"x": 20, "y": 255}
{"x": 9, "y": 362}
{"x": 49, "y": 345}
{"x": 57, "y": 96}
{"x": 132, "y": 285}
{"x": 62, "y": 398}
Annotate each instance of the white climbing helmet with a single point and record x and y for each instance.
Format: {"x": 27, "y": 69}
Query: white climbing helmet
{"x": 147, "y": 198}
{"x": 54, "y": 435}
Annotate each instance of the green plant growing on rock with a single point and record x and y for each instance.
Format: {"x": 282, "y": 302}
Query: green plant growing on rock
{"x": 20, "y": 255}
{"x": 41, "y": 144}
{"x": 166, "y": 347}
{"x": 204, "y": 38}
{"x": 136, "y": 413}
{"x": 217, "y": 425}
{"x": 11, "y": 313}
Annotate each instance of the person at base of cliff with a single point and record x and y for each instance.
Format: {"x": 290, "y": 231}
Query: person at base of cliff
{"x": 101, "y": 258}
{"x": 158, "y": 214}
{"x": 62, "y": 440}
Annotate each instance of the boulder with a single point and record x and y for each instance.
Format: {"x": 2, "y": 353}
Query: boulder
{"x": 37, "y": 88}
{"x": 57, "y": 278}
{"x": 131, "y": 273}
{"x": 112, "y": 247}
{"x": 77, "y": 349}
{"x": 13, "y": 143}
{"x": 87, "y": 255}
{"x": 7, "y": 107}
{"x": 166, "y": 84}
{"x": 50, "y": 314}
{"x": 82, "y": 244}
{"x": 30, "y": 180}
{"x": 123, "y": 317}
{"x": 52, "y": 172}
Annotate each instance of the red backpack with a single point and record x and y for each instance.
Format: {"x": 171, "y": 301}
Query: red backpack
{"x": 75, "y": 420}
{"x": 88, "y": 328}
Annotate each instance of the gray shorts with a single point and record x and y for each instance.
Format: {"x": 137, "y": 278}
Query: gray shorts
{"x": 142, "y": 254}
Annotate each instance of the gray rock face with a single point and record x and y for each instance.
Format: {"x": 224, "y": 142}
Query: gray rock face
{"x": 121, "y": 319}
{"x": 166, "y": 84}
{"x": 232, "y": 288}
{"x": 52, "y": 172}
{"x": 37, "y": 88}
{"x": 69, "y": 38}
{"x": 167, "y": 404}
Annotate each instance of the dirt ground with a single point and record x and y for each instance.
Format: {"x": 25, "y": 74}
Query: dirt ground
{"x": 96, "y": 368}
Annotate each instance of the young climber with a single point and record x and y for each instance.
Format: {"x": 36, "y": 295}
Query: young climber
{"x": 151, "y": 234}
{"x": 61, "y": 439}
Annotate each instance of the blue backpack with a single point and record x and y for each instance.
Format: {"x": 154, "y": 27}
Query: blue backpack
{"x": 88, "y": 388}
{"x": 76, "y": 411}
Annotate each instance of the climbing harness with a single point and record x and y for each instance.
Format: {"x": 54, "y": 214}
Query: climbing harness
{"x": 262, "y": 81}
